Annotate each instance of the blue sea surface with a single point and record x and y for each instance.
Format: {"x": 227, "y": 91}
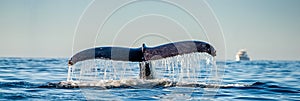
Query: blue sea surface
{"x": 31, "y": 79}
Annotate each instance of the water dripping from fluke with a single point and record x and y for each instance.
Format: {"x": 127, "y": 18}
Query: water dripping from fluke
{"x": 185, "y": 63}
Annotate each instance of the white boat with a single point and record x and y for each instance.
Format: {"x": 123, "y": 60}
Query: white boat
{"x": 242, "y": 55}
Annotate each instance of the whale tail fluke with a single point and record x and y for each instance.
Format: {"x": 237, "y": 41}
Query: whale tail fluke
{"x": 143, "y": 53}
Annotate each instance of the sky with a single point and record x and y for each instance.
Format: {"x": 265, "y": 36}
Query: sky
{"x": 268, "y": 29}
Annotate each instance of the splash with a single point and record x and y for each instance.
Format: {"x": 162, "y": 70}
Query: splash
{"x": 195, "y": 68}
{"x": 98, "y": 69}
{"x": 192, "y": 68}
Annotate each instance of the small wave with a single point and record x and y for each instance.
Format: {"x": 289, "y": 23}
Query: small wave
{"x": 20, "y": 84}
{"x": 274, "y": 88}
{"x": 253, "y": 98}
{"x": 137, "y": 83}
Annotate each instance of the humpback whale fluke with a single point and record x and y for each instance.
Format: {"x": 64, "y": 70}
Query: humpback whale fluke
{"x": 143, "y": 54}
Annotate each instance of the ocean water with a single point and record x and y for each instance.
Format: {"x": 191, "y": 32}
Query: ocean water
{"x": 38, "y": 79}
